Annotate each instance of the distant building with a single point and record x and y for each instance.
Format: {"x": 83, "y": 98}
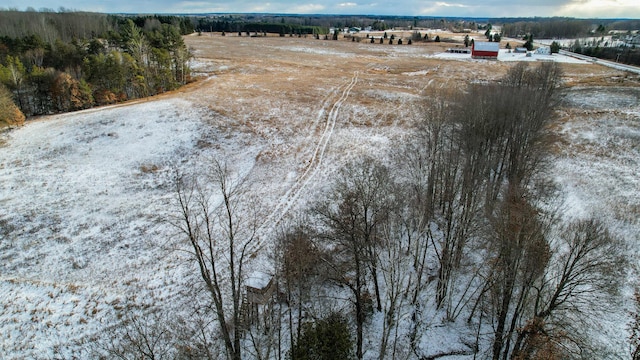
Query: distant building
{"x": 543, "y": 51}
{"x": 485, "y": 50}
{"x": 520, "y": 50}
{"x": 458, "y": 50}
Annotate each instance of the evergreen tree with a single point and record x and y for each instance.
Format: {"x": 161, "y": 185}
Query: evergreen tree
{"x": 327, "y": 339}
{"x": 577, "y": 47}
{"x": 529, "y": 43}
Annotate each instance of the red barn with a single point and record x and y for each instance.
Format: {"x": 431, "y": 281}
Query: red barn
{"x": 485, "y": 50}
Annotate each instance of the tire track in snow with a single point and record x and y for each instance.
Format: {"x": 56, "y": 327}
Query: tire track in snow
{"x": 315, "y": 162}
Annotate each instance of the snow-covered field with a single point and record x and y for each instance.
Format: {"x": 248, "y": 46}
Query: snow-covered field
{"x": 84, "y": 202}
{"x": 505, "y": 55}
{"x": 85, "y": 198}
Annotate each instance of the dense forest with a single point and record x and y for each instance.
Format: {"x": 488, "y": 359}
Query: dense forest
{"x": 57, "y": 62}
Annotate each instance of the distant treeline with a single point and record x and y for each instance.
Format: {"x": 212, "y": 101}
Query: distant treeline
{"x": 52, "y": 26}
{"x": 66, "y": 26}
{"x": 57, "y": 62}
{"x": 549, "y": 28}
{"x": 289, "y": 23}
{"x": 556, "y": 27}
{"x": 211, "y": 25}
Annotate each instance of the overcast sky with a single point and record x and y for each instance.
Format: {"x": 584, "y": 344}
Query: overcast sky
{"x": 463, "y": 8}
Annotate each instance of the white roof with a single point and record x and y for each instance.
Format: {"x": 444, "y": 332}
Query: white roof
{"x": 486, "y": 46}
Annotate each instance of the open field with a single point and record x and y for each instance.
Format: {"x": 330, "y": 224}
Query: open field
{"x": 86, "y": 198}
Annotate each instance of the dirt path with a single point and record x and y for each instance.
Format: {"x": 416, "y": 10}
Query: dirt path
{"x": 332, "y": 102}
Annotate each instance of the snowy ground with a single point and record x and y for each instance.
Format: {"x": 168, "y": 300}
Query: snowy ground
{"x": 506, "y": 55}
{"x": 599, "y": 166}
{"x": 598, "y": 170}
{"x": 85, "y": 197}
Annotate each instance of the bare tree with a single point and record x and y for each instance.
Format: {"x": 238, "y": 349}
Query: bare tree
{"x": 520, "y": 255}
{"x": 300, "y": 269}
{"x": 445, "y": 180}
{"x": 139, "y": 338}
{"x": 397, "y": 269}
{"x": 353, "y": 214}
{"x": 153, "y": 334}
{"x": 634, "y": 328}
{"x": 220, "y": 235}
{"x": 585, "y": 271}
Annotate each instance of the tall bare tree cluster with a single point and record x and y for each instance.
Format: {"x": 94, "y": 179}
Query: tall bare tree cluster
{"x": 462, "y": 226}
{"x": 218, "y": 224}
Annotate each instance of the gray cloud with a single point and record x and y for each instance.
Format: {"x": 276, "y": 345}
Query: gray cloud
{"x": 485, "y": 8}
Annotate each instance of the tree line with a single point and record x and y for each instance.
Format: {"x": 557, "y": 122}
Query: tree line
{"x": 626, "y": 54}
{"x": 77, "y": 65}
{"x": 235, "y": 23}
{"x": 562, "y": 28}
{"x": 548, "y": 28}
{"x": 453, "y": 229}
{"x": 209, "y": 25}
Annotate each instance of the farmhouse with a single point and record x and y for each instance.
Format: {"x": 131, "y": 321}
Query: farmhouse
{"x": 485, "y": 50}
{"x": 543, "y": 51}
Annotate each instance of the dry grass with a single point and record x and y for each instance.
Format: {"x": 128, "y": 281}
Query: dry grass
{"x": 264, "y": 81}
{"x": 278, "y": 87}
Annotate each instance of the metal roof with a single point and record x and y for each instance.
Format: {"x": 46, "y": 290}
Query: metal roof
{"x": 486, "y": 46}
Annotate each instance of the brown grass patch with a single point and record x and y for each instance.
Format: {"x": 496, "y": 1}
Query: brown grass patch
{"x": 149, "y": 168}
